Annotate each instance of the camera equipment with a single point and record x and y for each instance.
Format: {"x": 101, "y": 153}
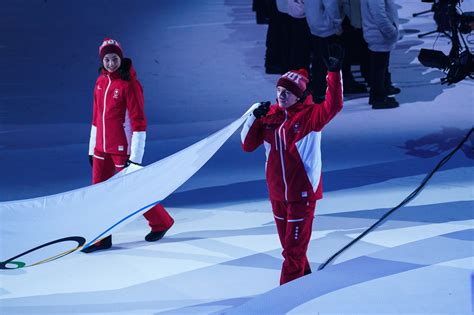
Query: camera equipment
{"x": 440, "y": 9}
{"x": 460, "y": 62}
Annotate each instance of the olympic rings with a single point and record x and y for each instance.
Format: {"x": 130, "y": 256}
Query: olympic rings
{"x": 19, "y": 264}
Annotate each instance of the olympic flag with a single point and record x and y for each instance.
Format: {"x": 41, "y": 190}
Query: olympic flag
{"x": 35, "y": 231}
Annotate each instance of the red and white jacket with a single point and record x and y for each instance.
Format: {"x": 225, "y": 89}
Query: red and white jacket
{"x": 118, "y": 120}
{"x": 292, "y": 140}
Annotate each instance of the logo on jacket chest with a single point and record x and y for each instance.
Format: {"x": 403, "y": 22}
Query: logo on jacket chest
{"x": 296, "y": 127}
{"x": 116, "y": 93}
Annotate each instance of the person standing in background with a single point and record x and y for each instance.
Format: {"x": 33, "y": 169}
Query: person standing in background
{"x": 380, "y": 28}
{"x": 276, "y": 55}
{"x": 261, "y": 11}
{"x": 325, "y": 23}
{"x": 299, "y": 37}
{"x": 355, "y": 47}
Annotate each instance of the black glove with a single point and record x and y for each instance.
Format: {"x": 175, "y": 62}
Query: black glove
{"x": 262, "y": 109}
{"x": 127, "y": 164}
{"x": 333, "y": 56}
{"x": 91, "y": 160}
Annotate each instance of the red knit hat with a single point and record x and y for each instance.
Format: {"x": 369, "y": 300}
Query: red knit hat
{"x": 295, "y": 81}
{"x": 108, "y": 46}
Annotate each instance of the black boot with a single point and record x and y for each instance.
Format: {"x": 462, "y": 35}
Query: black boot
{"x": 155, "y": 236}
{"x": 392, "y": 90}
{"x": 104, "y": 243}
{"x": 389, "y": 88}
{"x": 387, "y": 102}
{"x": 350, "y": 85}
{"x": 354, "y": 87}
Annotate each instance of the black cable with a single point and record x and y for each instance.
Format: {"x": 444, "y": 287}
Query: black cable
{"x": 404, "y": 202}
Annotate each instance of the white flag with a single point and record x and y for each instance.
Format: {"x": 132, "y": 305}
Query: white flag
{"x": 42, "y": 229}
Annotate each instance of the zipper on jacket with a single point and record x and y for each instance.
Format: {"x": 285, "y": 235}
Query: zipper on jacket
{"x": 284, "y": 137}
{"x": 281, "y": 157}
{"x": 103, "y": 114}
{"x": 276, "y": 141}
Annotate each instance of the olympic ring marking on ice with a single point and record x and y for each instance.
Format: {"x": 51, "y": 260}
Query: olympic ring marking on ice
{"x": 79, "y": 239}
{"x": 19, "y": 264}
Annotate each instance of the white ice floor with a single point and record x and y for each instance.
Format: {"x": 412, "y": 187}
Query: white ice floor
{"x": 223, "y": 255}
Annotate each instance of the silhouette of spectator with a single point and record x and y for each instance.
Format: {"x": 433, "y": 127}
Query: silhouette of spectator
{"x": 325, "y": 23}
{"x": 355, "y": 46}
{"x": 260, "y": 8}
{"x": 380, "y": 29}
{"x": 299, "y": 37}
{"x": 276, "y": 55}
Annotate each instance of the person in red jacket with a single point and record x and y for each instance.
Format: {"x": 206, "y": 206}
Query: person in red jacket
{"x": 290, "y": 130}
{"x": 118, "y": 131}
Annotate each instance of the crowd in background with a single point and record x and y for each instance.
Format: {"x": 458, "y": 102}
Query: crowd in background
{"x": 300, "y": 33}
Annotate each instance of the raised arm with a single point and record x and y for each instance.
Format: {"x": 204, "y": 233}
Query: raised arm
{"x": 326, "y": 111}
